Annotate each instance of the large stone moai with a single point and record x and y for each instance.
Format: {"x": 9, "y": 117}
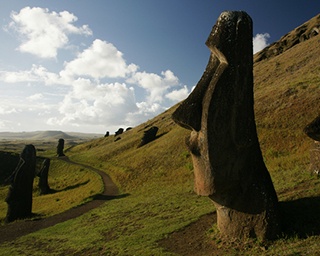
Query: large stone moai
{"x": 227, "y": 160}
{"x": 43, "y": 177}
{"x": 313, "y": 131}
{"x": 60, "y": 147}
{"x": 19, "y": 197}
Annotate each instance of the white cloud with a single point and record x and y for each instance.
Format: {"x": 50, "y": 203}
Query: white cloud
{"x": 260, "y": 42}
{"x": 154, "y": 84}
{"x": 178, "y": 95}
{"x": 5, "y": 110}
{"x": 36, "y": 97}
{"x": 43, "y": 32}
{"x": 96, "y": 104}
{"x": 37, "y": 73}
{"x": 100, "y": 60}
{"x": 96, "y": 89}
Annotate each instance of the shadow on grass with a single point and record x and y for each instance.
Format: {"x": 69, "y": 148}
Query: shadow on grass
{"x": 301, "y": 217}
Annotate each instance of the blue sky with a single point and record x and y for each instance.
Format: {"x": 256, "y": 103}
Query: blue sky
{"x": 93, "y": 66}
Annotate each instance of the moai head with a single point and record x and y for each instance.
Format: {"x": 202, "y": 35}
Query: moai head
{"x": 219, "y": 111}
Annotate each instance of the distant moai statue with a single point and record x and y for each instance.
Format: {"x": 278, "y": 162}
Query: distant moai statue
{"x": 107, "y": 134}
{"x": 148, "y": 136}
{"x": 227, "y": 159}
{"x": 43, "y": 177}
{"x": 19, "y": 198}
{"x": 60, "y": 147}
{"x": 313, "y": 131}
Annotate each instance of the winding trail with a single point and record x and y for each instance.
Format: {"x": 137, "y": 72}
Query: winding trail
{"x": 17, "y": 229}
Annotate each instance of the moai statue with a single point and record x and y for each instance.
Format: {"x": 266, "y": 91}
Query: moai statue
{"x": 43, "y": 177}
{"x": 107, "y": 134}
{"x": 149, "y": 135}
{"x": 19, "y": 197}
{"x": 60, "y": 147}
{"x": 313, "y": 131}
{"x": 227, "y": 159}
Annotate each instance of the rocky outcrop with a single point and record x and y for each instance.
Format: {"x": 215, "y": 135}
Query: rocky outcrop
{"x": 227, "y": 160}
{"x": 302, "y": 33}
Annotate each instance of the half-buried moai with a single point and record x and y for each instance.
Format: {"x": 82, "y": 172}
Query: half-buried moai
{"x": 19, "y": 197}
{"x": 43, "y": 177}
{"x": 60, "y": 147}
{"x": 227, "y": 160}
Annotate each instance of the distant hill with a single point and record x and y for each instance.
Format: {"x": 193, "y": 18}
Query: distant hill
{"x": 47, "y": 135}
{"x": 302, "y": 33}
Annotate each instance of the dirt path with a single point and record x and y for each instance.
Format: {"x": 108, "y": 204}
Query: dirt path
{"x": 17, "y": 229}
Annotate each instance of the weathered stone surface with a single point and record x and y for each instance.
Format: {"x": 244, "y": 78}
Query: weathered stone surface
{"x": 149, "y": 135}
{"x": 227, "y": 159}
{"x": 19, "y": 197}
{"x": 43, "y": 177}
{"x": 60, "y": 147}
{"x": 313, "y": 129}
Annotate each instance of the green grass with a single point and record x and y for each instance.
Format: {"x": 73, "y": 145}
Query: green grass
{"x": 130, "y": 225}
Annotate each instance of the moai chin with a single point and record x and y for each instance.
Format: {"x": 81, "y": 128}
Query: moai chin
{"x": 19, "y": 197}
{"x": 227, "y": 159}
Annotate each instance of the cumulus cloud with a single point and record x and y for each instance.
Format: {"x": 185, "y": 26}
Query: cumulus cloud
{"x": 37, "y": 73}
{"x": 96, "y": 103}
{"x": 44, "y": 32}
{"x": 178, "y": 95}
{"x": 5, "y": 110}
{"x": 260, "y": 42}
{"x": 155, "y": 85}
{"x": 101, "y": 59}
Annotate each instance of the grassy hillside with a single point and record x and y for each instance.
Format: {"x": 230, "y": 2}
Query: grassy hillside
{"x": 157, "y": 178}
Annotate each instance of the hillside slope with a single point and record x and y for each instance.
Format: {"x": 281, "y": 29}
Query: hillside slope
{"x": 286, "y": 99}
